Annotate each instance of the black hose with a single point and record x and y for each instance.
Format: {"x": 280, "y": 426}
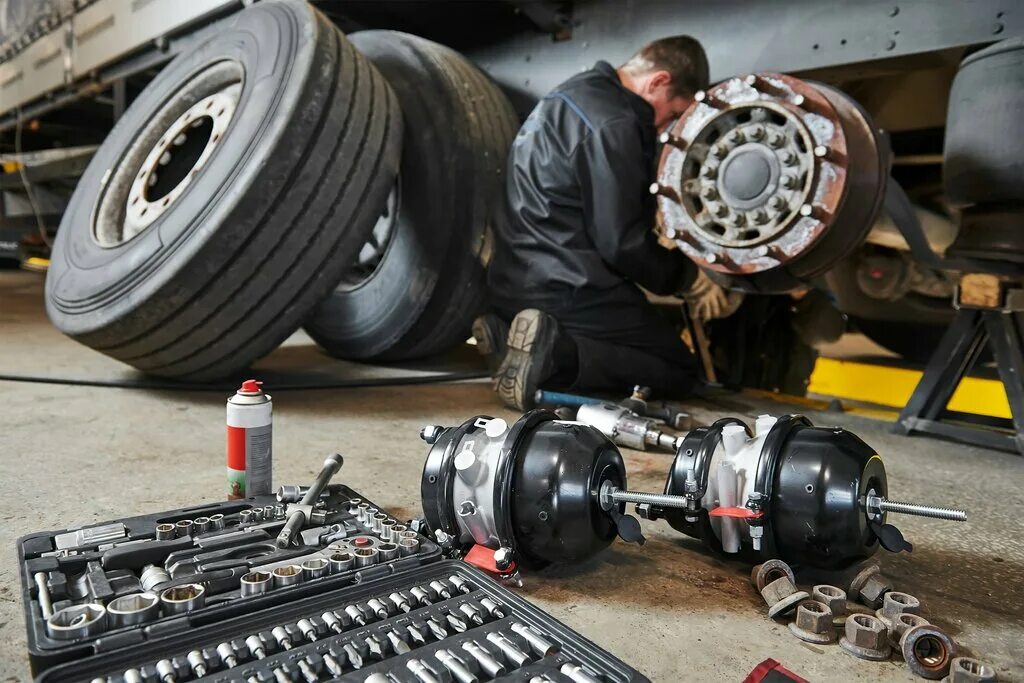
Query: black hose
{"x": 229, "y": 386}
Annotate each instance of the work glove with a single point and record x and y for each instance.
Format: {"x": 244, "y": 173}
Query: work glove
{"x": 708, "y": 300}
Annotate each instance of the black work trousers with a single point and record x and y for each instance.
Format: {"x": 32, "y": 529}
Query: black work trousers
{"x": 620, "y": 338}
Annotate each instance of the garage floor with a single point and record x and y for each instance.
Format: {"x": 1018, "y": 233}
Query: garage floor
{"x": 76, "y": 455}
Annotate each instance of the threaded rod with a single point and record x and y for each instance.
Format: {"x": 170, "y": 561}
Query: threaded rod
{"x": 952, "y": 514}
{"x": 663, "y": 499}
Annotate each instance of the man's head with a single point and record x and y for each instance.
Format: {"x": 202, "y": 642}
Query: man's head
{"x": 667, "y": 73}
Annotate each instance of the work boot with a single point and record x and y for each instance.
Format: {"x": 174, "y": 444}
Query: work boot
{"x": 490, "y": 333}
{"x": 529, "y": 360}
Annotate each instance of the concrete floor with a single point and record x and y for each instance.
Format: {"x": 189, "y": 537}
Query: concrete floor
{"x": 76, "y": 455}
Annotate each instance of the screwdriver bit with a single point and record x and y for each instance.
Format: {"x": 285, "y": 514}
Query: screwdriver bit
{"x": 355, "y": 614}
{"x": 197, "y": 662}
{"x": 375, "y": 649}
{"x": 333, "y": 665}
{"x": 227, "y": 655}
{"x": 492, "y": 607}
{"x": 307, "y": 629}
{"x": 377, "y": 607}
{"x": 472, "y": 612}
{"x": 421, "y": 595}
{"x": 255, "y": 646}
{"x": 400, "y": 602}
{"x": 397, "y": 644}
{"x": 440, "y": 589}
{"x": 354, "y": 657}
{"x": 456, "y": 667}
{"x": 439, "y": 631}
{"x": 307, "y": 672}
{"x": 282, "y": 637}
{"x": 421, "y": 672}
{"x": 460, "y": 584}
{"x": 416, "y": 634}
{"x": 517, "y": 656}
{"x": 492, "y": 666}
{"x": 332, "y": 621}
{"x": 457, "y": 623}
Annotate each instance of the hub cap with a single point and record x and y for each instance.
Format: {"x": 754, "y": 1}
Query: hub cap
{"x": 760, "y": 169}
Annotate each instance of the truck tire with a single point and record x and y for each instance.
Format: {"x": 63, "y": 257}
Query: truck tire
{"x": 419, "y": 286}
{"x": 227, "y": 200}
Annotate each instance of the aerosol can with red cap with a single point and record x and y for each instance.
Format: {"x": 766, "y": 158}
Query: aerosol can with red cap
{"x": 250, "y": 456}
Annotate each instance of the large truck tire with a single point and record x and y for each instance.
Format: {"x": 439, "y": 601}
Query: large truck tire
{"x": 420, "y": 281}
{"x": 229, "y": 198}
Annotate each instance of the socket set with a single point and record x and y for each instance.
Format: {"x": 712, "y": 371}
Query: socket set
{"x": 440, "y": 622}
{"x": 124, "y": 583}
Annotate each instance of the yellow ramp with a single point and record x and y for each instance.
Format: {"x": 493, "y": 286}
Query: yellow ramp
{"x": 890, "y": 386}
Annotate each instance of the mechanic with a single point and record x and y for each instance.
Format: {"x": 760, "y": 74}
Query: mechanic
{"x": 566, "y": 309}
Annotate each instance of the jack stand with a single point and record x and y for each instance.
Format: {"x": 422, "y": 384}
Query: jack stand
{"x": 990, "y": 310}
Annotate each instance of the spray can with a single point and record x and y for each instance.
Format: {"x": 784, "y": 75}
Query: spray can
{"x": 250, "y": 458}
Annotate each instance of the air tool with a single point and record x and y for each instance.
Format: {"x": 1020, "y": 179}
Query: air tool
{"x": 547, "y": 490}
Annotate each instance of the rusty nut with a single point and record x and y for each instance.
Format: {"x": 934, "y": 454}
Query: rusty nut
{"x": 813, "y": 622}
{"x": 866, "y": 637}
{"x": 869, "y": 587}
{"x": 900, "y": 624}
{"x": 894, "y": 603}
{"x": 763, "y": 574}
{"x": 833, "y": 597}
{"x": 928, "y": 651}
{"x": 967, "y": 670}
{"x": 782, "y": 596}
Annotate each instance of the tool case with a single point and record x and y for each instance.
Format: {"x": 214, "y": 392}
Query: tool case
{"x": 406, "y": 618}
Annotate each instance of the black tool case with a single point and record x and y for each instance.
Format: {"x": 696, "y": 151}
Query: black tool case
{"x": 71, "y": 566}
{"x": 464, "y": 604}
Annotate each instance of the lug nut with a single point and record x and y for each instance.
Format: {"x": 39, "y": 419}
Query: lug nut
{"x": 782, "y": 596}
{"x": 967, "y": 670}
{"x": 865, "y": 637}
{"x": 813, "y": 623}
{"x": 894, "y": 603}
{"x": 928, "y": 651}
{"x": 869, "y": 587}
{"x": 834, "y": 598}
{"x": 901, "y": 623}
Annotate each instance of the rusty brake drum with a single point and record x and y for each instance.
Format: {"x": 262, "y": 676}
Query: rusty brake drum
{"x": 769, "y": 180}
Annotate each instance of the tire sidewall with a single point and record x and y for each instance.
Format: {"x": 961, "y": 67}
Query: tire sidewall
{"x": 89, "y": 286}
{"x": 367, "y": 319}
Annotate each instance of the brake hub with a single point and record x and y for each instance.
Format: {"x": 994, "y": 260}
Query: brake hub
{"x": 769, "y": 180}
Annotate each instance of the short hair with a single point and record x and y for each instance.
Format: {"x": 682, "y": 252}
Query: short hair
{"x": 682, "y": 57}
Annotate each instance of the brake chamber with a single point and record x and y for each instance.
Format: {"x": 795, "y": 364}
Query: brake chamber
{"x": 546, "y": 490}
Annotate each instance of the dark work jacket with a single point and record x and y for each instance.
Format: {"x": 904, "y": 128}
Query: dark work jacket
{"x": 580, "y": 211}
